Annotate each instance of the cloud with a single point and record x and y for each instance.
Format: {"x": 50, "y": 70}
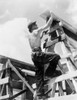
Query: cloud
{"x": 54, "y": 4}
{"x": 72, "y": 6}
{"x": 32, "y": 9}
{"x": 72, "y": 11}
{"x": 47, "y": 4}
{"x": 65, "y": 9}
{"x": 6, "y": 13}
{"x": 13, "y": 42}
{"x": 15, "y": 12}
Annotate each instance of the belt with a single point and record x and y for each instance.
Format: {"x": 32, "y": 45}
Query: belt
{"x": 37, "y": 49}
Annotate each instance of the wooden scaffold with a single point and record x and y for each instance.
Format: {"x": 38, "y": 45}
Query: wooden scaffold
{"x": 7, "y": 73}
{"x": 67, "y": 64}
{"x": 12, "y": 71}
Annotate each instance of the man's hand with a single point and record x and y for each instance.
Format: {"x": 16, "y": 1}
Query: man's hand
{"x": 60, "y": 24}
{"x": 62, "y": 36}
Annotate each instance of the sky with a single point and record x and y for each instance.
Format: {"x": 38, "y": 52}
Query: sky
{"x": 15, "y": 15}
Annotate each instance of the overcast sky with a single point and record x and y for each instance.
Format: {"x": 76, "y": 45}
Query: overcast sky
{"x": 14, "y": 16}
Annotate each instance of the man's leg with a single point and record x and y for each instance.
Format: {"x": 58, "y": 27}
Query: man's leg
{"x": 39, "y": 79}
{"x": 53, "y": 61}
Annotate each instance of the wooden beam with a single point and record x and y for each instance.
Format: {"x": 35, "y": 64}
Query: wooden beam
{"x": 48, "y": 13}
{"x": 61, "y": 92}
{"x": 71, "y": 68}
{"x": 23, "y": 97}
{"x": 4, "y": 80}
{"x": 66, "y": 97}
{"x": 17, "y": 63}
{"x": 9, "y": 89}
{"x": 53, "y": 90}
{"x": 16, "y": 95}
{"x": 4, "y": 97}
{"x": 68, "y": 80}
{"x": 64, "y": 77}
{"x": 24, "y": 81}
{"x": 28, "y": 72}
{"x": 68, "y": 26}
{"x": 2, "y": 89}
{"x": 1, "y": 70}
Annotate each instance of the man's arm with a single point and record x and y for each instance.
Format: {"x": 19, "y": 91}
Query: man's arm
{"x": 46, "y": 25}
{"x": 67, "y": 43}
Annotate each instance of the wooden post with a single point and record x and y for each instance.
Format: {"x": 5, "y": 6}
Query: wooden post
{"x": 23, "y": 97}
{"x": 61, "y": 93}
{"x": 3, "y": 81}
{"x": 1, "y": 74}
{"x": 53, "y": 90}
{"x": 63, "y": 62}
{"x": 8, "y": 86}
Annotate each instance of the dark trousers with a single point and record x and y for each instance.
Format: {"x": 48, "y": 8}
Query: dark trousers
{"x": 40, "y": 59}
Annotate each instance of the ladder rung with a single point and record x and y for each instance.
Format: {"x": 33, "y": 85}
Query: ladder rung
{"x": 4, "y": 80}
{"x": 4, "y": 97}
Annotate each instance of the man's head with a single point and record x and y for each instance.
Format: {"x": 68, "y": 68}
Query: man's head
{"x": 32, "y": 26}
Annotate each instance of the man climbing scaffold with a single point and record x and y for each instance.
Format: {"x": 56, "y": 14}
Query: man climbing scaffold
{"x": 41, "y": 58}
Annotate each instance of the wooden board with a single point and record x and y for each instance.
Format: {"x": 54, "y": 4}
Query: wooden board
{"x": 64, "y": 77}
{"x": 17, "y": 63}
{"x": 4, "y": 80}
{"x": 68, "y": 97}
{"x": 4, "y": 97}
{"x": 28, "y": 72}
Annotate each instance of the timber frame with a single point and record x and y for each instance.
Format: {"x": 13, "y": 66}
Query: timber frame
{"x": 6, "y": 81}
{"x": 11, "y": 72}
{"x": 14, "y": 70}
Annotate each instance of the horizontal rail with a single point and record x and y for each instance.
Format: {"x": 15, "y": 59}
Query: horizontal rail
{"x": 64, "y": 77}
{"x": 4, "y": 80}
{"x": 31, "y": 73}
{"x": 4, "y": 97}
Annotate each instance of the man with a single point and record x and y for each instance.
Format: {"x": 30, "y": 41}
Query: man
{"x": 38, "y": 57}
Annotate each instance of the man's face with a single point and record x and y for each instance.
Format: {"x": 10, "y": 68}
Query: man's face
{"x": 34, "y": 26}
